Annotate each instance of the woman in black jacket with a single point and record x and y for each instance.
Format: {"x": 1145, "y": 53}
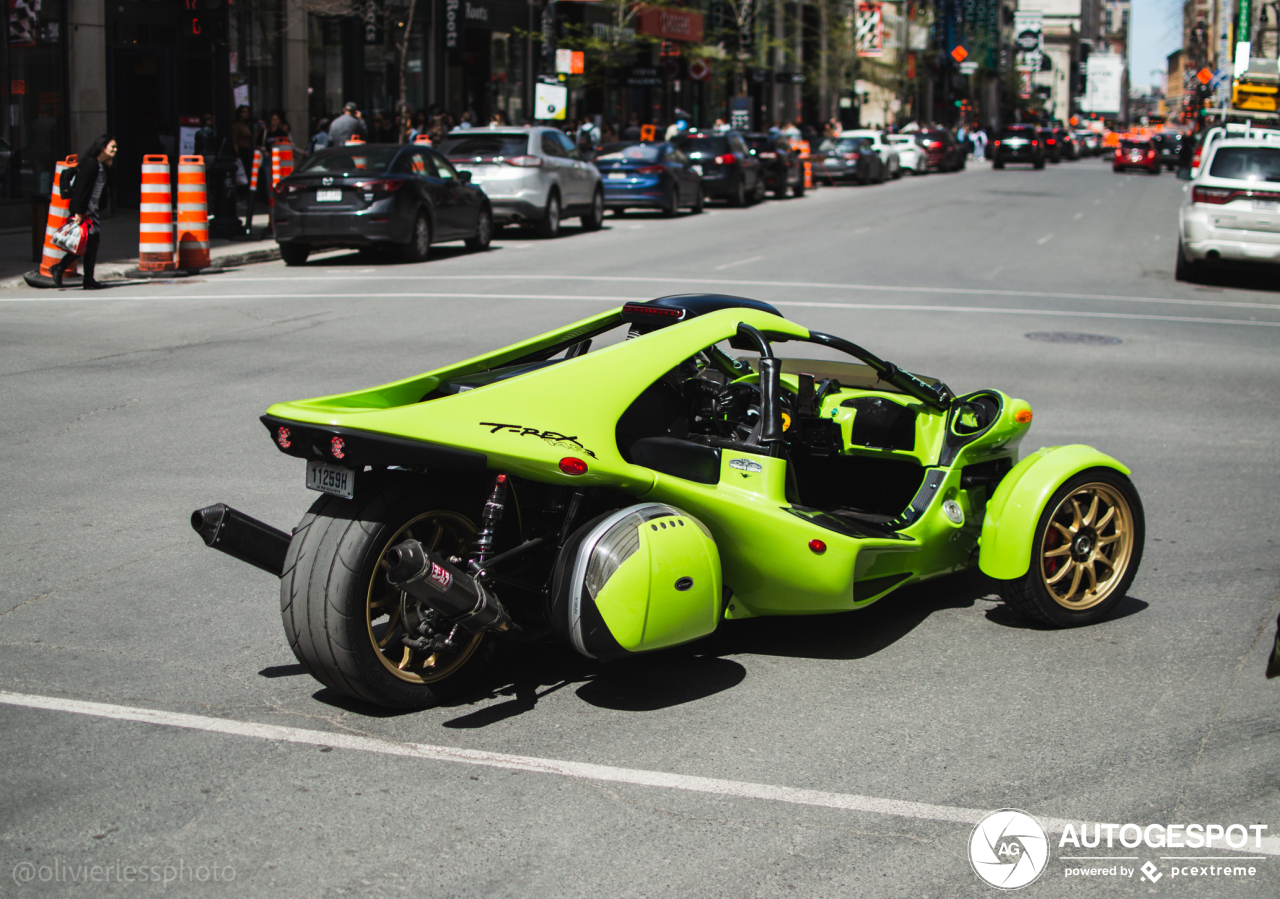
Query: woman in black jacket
{"x": 86, "y": 189}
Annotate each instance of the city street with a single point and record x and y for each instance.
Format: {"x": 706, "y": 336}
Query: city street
{"x": 152, "y": 714}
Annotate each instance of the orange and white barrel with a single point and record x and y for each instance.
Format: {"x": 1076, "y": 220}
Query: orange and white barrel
{"x": 155, "y": 221}
{"x": 58, "y": 215}
{"x": 193, "y": 214}
{"x": 360, "y": 161}
{"x": 253, "y": 177}
{"x": 281, "y": 163}
{"x": 422, "y": 139}
{"x": 353, "y": 140}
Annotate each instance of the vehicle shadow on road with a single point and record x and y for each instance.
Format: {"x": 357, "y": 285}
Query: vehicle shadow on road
{"x": 1005, "y": 616}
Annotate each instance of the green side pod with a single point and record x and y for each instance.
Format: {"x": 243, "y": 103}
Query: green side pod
{"x": 1013, "y": 512}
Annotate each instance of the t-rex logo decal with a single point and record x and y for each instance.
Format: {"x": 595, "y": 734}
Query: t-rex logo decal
{"x": 554, "y": 438}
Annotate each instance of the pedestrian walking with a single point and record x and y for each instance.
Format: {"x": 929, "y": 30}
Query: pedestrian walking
{"x": 346, "y": 126}
{"x": 980, "y": 144}
{"x": 86, "y": 183}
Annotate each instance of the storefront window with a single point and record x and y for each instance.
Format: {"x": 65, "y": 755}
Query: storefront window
{"x": 37, "y": 98}
{"x": 255, "y": 40}
{"x": 508, "y": 77}
{"x": 325, "y": 91}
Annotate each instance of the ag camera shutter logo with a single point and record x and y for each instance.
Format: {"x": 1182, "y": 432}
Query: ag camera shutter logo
{"x": 1008, "y": 849}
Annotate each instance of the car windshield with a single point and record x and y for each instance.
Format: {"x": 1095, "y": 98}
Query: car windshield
{"x": 625, "y": 152}
{"x": 1247, "y": 163}
{"x": 1017, "y": 132}
{"x": 760, "y": 144}
{"x": 1135, "y": 145}
{"x": 843, "y": 145}
{"x": 696, "y": 143}
{"x": 351, "y": 159}
{"x": 485, "y": 146}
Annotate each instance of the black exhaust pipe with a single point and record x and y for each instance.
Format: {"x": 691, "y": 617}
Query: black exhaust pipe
{"x": 242, "y": 537}
{"x": 430, "y": 579}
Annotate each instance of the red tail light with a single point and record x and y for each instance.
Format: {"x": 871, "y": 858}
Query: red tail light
{"x": 997, "y": 143}
{"x": 1119, "y": 152}
{"x": 933, "y": 145}
{"x": 570, "y": 465}
{"x": 649, "y": 170}
{"x": 1051, "y": 142}
{"x": 381, "y": 187}
{"x": 1195, "y": 160}
{"x": 1151, "y": 154}
{"x": 1215, "y": 195}
{"x": 726, "y": 159}
{"x": 525, "y": 161}
{"x": 1035, "y": 143}
{"x": 852, "y": 157}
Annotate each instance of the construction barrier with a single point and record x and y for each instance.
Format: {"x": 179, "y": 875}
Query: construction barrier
{"x": 353, "y": 139}
{"x": 802, "y": 148}
{"x": 281, "y": 163}
{"x": 155, "y": 220}
{"x": 422, "y": 139}
{"x": 58, "y": 215}
{"x": 253, "y": 177}
{"x": 360, "y": 161}
{"x": 193, "y": 214}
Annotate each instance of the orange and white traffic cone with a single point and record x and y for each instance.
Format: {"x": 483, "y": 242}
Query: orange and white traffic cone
{"x": 422, "y": 139}
{"x": 155, "y": 221}
{"x": 52, "y": 255}
{"x": 193, "y": 214}
{"x": 353, "y": 139}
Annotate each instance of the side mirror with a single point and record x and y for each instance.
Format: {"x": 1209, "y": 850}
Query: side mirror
{"x": 464, "y": 177}
{"x": 1184, "y": 174}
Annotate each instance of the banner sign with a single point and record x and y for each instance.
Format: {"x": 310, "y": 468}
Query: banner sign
{"x": 869, "y": 30}
{"x": 1028, "y": 40}
{"x": 1103, "y": 82}
{"x": 671, "y": 24}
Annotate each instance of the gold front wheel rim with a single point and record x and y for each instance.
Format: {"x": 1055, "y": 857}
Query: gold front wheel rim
{"x": 1087, "y": 546}
{"x": 442, "y": 531}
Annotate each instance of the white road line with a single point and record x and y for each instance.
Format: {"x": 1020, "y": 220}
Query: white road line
{"x": 803, "y": 285}
{"x": 578, "y": 770}
{"x": 1044, "y": 240}
{"x": 892, "y": 307}
{"x": 739, "y": 262}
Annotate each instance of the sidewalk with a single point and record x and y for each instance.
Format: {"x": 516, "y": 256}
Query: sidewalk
{"x": 118, "y": 250}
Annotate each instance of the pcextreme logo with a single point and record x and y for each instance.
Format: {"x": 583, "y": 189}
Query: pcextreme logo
{"x": 1008, "y": 849}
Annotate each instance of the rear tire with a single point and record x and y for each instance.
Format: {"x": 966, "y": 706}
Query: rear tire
{"x": 294, "y": 253}
{"x": 1071, "y": 551}
{"x": 332, "y": 595}
{"x": 670, "y": 205}
{"x": 739, "y": 195}
{"x": 699, "y": 201}
{"x": 997, "y": 165}
{"x": 548, "y": 227}
{"x": 484, "y": 231}
{"x": 798, "y": 190}
{"x": 419, "y": 245}
{"x": 1184, "y": 269}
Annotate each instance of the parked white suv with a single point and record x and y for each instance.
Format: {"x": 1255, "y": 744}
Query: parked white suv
{"x": 1232, "y": 208}
{"x": 532, "y": 175}
{"x": 887, "y": 152}
{"x": 911, "y": 156}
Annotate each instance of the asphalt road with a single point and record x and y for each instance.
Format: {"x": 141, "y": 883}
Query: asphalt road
{"x": 125, "y": 411}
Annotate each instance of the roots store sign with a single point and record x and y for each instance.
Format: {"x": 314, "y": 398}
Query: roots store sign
{"x": 458, "y": 13}
{"x": 671, "y": 24}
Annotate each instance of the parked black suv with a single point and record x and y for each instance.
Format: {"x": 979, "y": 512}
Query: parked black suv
{"x": 1169, "y": 148}
{"x": 728, "y": 170}
{"x": 783, "y": 168}
{"x": 1018, "y": 143}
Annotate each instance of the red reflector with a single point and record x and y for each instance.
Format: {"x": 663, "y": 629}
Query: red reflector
{"x": 657, "y": 311}
{"x": 817, "y": 546}
{"x": 283, "y": 438}
{"x": 337, "y": 446}
{"x": 650, "y": 170}
{"x": 570, "y": 465}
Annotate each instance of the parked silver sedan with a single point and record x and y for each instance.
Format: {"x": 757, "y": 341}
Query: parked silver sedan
{"x": 532, "y": 175}
{"x": 911, "y": 156}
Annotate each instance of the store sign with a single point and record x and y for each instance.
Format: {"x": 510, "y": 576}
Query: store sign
{"x": 550, "y": 101}
{"x": 644, "y": 76}
{"x": 869, "y": 29}
{"x": 671, "y": 24}
{"x": 451, "y": 24}
{"x": 1028, "y": 30}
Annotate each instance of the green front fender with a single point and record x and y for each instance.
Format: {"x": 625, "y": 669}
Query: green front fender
{"x": 1014, "y": 511}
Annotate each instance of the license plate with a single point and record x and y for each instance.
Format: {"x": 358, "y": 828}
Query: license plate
{"x": 1266, "y": 206}
{"x": 617, "y": 176}
{"x": 328, "y": 196}
{"x": 696, "y": 168}
{"x": 331, "y": 479}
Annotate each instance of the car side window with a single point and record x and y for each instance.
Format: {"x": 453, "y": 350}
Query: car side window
{"x": 566, "y": 145}
{"x": 550, "y": 146}
{"x": 444, "y": 167}
{"x": 424, "y": 165}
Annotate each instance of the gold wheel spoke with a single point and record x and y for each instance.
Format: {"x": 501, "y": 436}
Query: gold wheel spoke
{"x": 390, "y": 630}
{"x": 1075, "y": 581}
{"x": 1093, "y": 576}
{"x": 1060, "y": 551}
{"x": 408, "y": 656}
{"x": 1093, "y": 510}
{"x": 1078, "y": 519}
{"x": 1107, "y": 541}
{"x": 1066, "y": 534}
{"x": 1062, "y": 573}
{"x": 1099, "y": 557}
{"x": 1106, "y": 520}
{"x": 408, "y": 534}
{"x": 435, "y": 536}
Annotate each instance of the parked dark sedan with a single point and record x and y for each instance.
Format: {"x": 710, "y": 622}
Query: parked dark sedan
{"x": 728, "y": 169}
{"x": 654, "y": 175}
{"x": 849, "y": 159}
{"x": 378, "y": 195}
{"x": 1169, "y": 148}
{"x": 783, "y": 167}
{"x": 1018, "y": 143}
{"x": 942, "y": 150}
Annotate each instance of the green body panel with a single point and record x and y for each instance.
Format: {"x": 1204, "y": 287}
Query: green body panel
{"x": 641, "y": 604}
{"x": 1014, "y": 511}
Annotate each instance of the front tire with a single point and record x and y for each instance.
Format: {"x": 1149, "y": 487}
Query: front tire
{"x": 1085, "y": 552}
{"x": 594, "y": 220}
{"x": 548, "y": 226}
{"x": 342, "y": 618}
{"x": 419, "y": 245}
{"x": 294, "y": 253}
